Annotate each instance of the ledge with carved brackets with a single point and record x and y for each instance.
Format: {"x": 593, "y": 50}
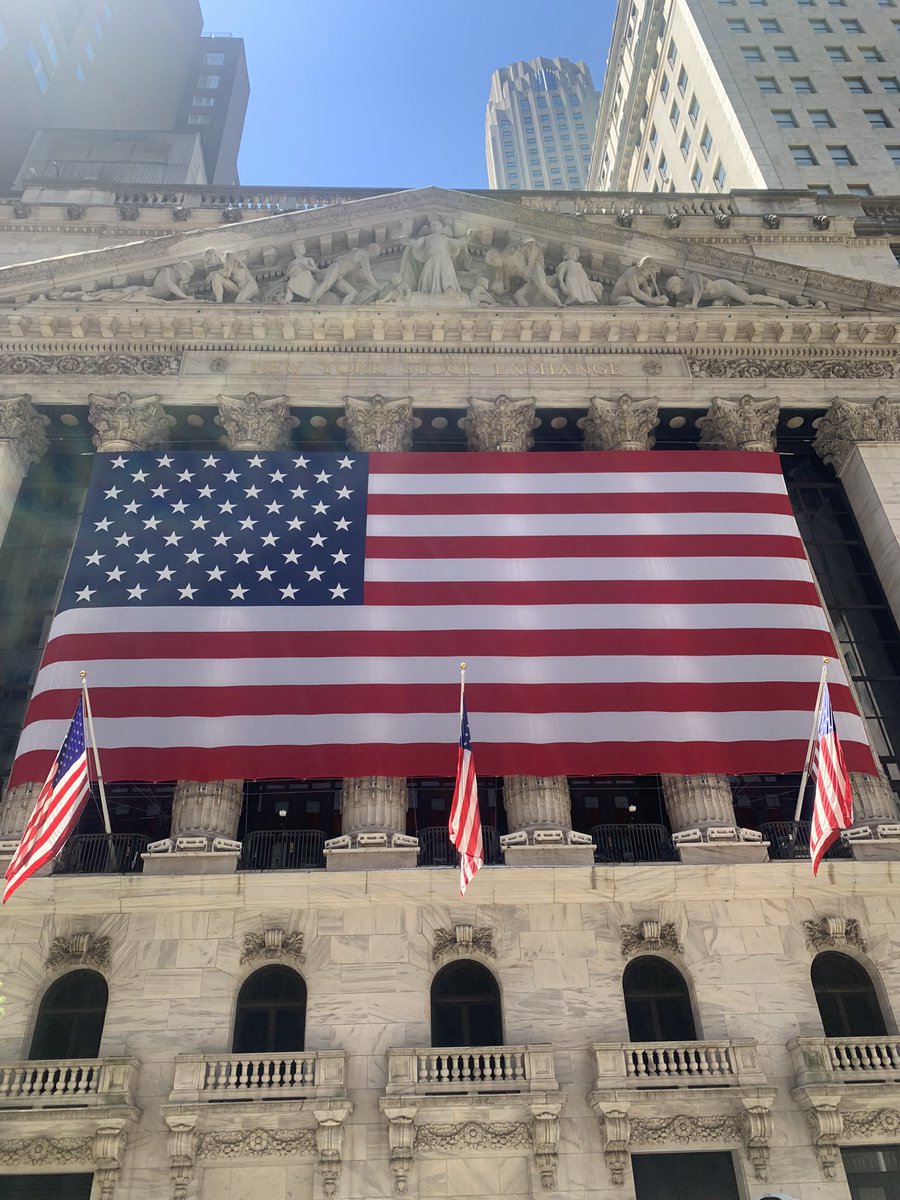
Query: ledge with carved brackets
{"x": 47, "y": 1123}
{"x": 682, "y": 1118}
{"x": 255, "y": 1130}
{"x": 472, "y": 1126}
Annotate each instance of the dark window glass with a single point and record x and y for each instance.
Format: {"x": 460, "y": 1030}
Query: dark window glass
{"x": 657, "y": 1002}
{"x": 46, "y": 1187}
{"x": 465, "y": 1006}
{"x": 698, "y": 1176}
{"x": 873, "y": 1172}
{"x": 271, "y": 1012}
{"x": 846, "y": 997}
{"x": 70, "y": 1019}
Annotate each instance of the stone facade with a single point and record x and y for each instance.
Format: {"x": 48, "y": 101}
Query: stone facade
{"x": 563, "y": 1102}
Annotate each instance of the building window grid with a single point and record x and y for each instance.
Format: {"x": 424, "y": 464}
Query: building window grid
{"x": 837, "y": 54}
{"x": 803, "y": 156}
{"x": 752, "y": 54}
{"x": 768, "y": 85}
{"x": 37, "y": 66}
{"x": 841, "y": 156}
{"x": 784, "y": 118}
{"x": 694, "y": 110}
{"x": 50, "y": 44}
{"x": 857, "y": 86}
{"x": 821, "y": 118}
{"x": 878, "y": 119}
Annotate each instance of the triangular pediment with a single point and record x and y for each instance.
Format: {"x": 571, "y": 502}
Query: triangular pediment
{"x": 485, "y": 252}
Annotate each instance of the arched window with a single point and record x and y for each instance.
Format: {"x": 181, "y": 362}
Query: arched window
{"x": 657, "y": 1002}
{"x": 465, "y": 1006}
{"x": 70, "y": 1020}
{"x": 846, "y": 997}
{"x": 271, "y": 1012}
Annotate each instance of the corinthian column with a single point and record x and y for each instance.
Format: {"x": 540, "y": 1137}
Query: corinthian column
{"x": 373, "y": 807}
{"x": 700, "y": 807}
{"x": 538, "y": 807}
{"x": 862, "y": 443}
{"x": 125, "y": 424}
{"x": 22, "y": 442}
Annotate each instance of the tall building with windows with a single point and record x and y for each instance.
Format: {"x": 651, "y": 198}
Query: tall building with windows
{"x": 539, "y": 125}
{"x": 269, "y": 988}
{"x": 707, "y": 96}
{"x": 78, "y": 71}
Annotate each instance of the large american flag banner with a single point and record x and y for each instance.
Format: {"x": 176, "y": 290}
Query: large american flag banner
{"x": 302, "y": 615}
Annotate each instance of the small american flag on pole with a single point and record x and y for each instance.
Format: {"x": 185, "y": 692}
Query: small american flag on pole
{"x": 833, "y": 803}
{"x": 57, "y": 810}
{"x": 465, "y": 819}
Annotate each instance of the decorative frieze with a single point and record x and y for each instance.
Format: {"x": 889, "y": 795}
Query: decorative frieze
{"x": 46, "y": 1151}
{"x": 257, "y": 1143}
{"x": 462, "y": 939}
{"x": 128, "y": 423}
{"x": 833, "y": 933}
{"x": 23, "y": 429}
{"x": 500, "y": 424}
{"x": 620, "y": 423}
{"x": 882, "y": 1124}
{"x": 684, "y": 1129}
{"x": 847, "y": 423}
{"x": 791, "y": 368}
{"x": 90, "y": 364}
{"x": 254, "y": 422}
{"x": 271, "y": 944}
{"x": 744, "y": 424}
{"x": 649, "y": 937}
{"x": 82, "y": 948}
{"x": 474, "y": 1135}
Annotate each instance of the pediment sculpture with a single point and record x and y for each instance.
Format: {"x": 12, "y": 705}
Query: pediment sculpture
{"x": 461, "y": 253}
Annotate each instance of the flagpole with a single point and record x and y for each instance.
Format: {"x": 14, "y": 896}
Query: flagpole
{"x": 812, "y": 739}
{"x": 462, "y": 689}
{"x": 90, "y": 718}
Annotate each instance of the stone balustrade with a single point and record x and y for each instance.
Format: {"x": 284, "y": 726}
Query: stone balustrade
{"x": 679, "y": 1064}
{"x": 822, "y": 1060}
{"x": 303, "y": 1075}
{"x": 58, "y": 1083}
{"x": 467, "y": 1069}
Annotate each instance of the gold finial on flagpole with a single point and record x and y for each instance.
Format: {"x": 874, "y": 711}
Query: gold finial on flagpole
{"x": 83, "y": 674}
{"x": 462, "y": 666}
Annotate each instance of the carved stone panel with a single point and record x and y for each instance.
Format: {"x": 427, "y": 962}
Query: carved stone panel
{"x": 848, "y": 423}
{"x": 500, "y": 424}
{"x": 620, "y": 423}
{"x": 254, "y": 422}
{"x": 744, "y": 424}
{"x": 127, "y": 423}
{"x": 257, "y": 1143}
{"x": 273, "y": 943}
{"x": 378, "y": 423}
{"x": 462, "y": 939}
{"x": 78, "y": 948}
{"x": 650, "y": 937}
{"x": 833, "y": 933}
{"x": 23, "y": 428}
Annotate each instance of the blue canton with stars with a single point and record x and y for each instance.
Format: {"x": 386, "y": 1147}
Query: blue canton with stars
{"x": 220, "y": 530}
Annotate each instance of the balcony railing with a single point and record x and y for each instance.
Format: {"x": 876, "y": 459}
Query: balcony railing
{"x": 790, "y": 840}
{"x": 436, "y": 849}
{"x": 845, "y": 1060}
{"x": 304, "y": 1075}
{"x": 283, "y": 850}
{"x": 78, "y": 1083}
{"x": 99, "y": 854}
{"x": 471, "y": 1069}
{"x": 676, "y": 1064}
{"x": 633, "y": 844}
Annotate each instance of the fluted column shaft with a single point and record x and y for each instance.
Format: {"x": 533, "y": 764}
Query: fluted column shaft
{"x": 698, "y": 801}
{"x": 376, "y": 803}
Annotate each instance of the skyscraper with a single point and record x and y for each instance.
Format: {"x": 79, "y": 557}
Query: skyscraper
{"x": 765, "y": 94}
{"x": 102, "y": 67}
{"x": 539, "y": 124}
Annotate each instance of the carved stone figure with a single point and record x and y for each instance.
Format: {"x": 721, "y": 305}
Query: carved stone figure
{"x": 718, "y": 292}
{"x": 480, "y": 293}
{"x": 522, "y": 263}
{"x": 355, "y": 265}
{"x": 169, "y": 284}
{"x": 230, "y": 276}
{"x": 300, "y": 280}
{"x": 436, "y": 249}
{"x": 396, "y": 290}
{"x": 637, "y": 285}
{"x": 572, "y": 280}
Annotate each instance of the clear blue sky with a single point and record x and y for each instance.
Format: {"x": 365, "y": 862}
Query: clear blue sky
{"x": 389, "y": 92}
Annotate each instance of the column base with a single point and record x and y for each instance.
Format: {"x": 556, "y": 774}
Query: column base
{"x": 700, "y": 854}
{"x": 547, "y": 848}
{"x": 192, "y": 862}
{"x": 876, "y": 842}
{"x": 371, "y": 858}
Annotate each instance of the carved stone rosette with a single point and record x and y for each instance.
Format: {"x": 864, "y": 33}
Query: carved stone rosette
{"x": 650, "y": 937}
{"x": 500, "y": 424}
{"x": 125, "y": 423}
{"x": 462, "y": 939}
{"x": 22, "y": 428}
{"x": 744, "y": 424}
{"x": 78, "y": 948}
{"x": 273, "y": 943}
{"x": 377, "y": 423}
{"x": 620, "y": 423}
{"x": 833, "y": 933}
{"x": 253, "y": 422}
{"x": 848, "y": 423}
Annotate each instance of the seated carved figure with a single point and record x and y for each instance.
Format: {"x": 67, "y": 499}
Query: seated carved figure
{"x": 637, "y": 285}
{"x": 719, "y": 292}
{"x": 519, "y": 268}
